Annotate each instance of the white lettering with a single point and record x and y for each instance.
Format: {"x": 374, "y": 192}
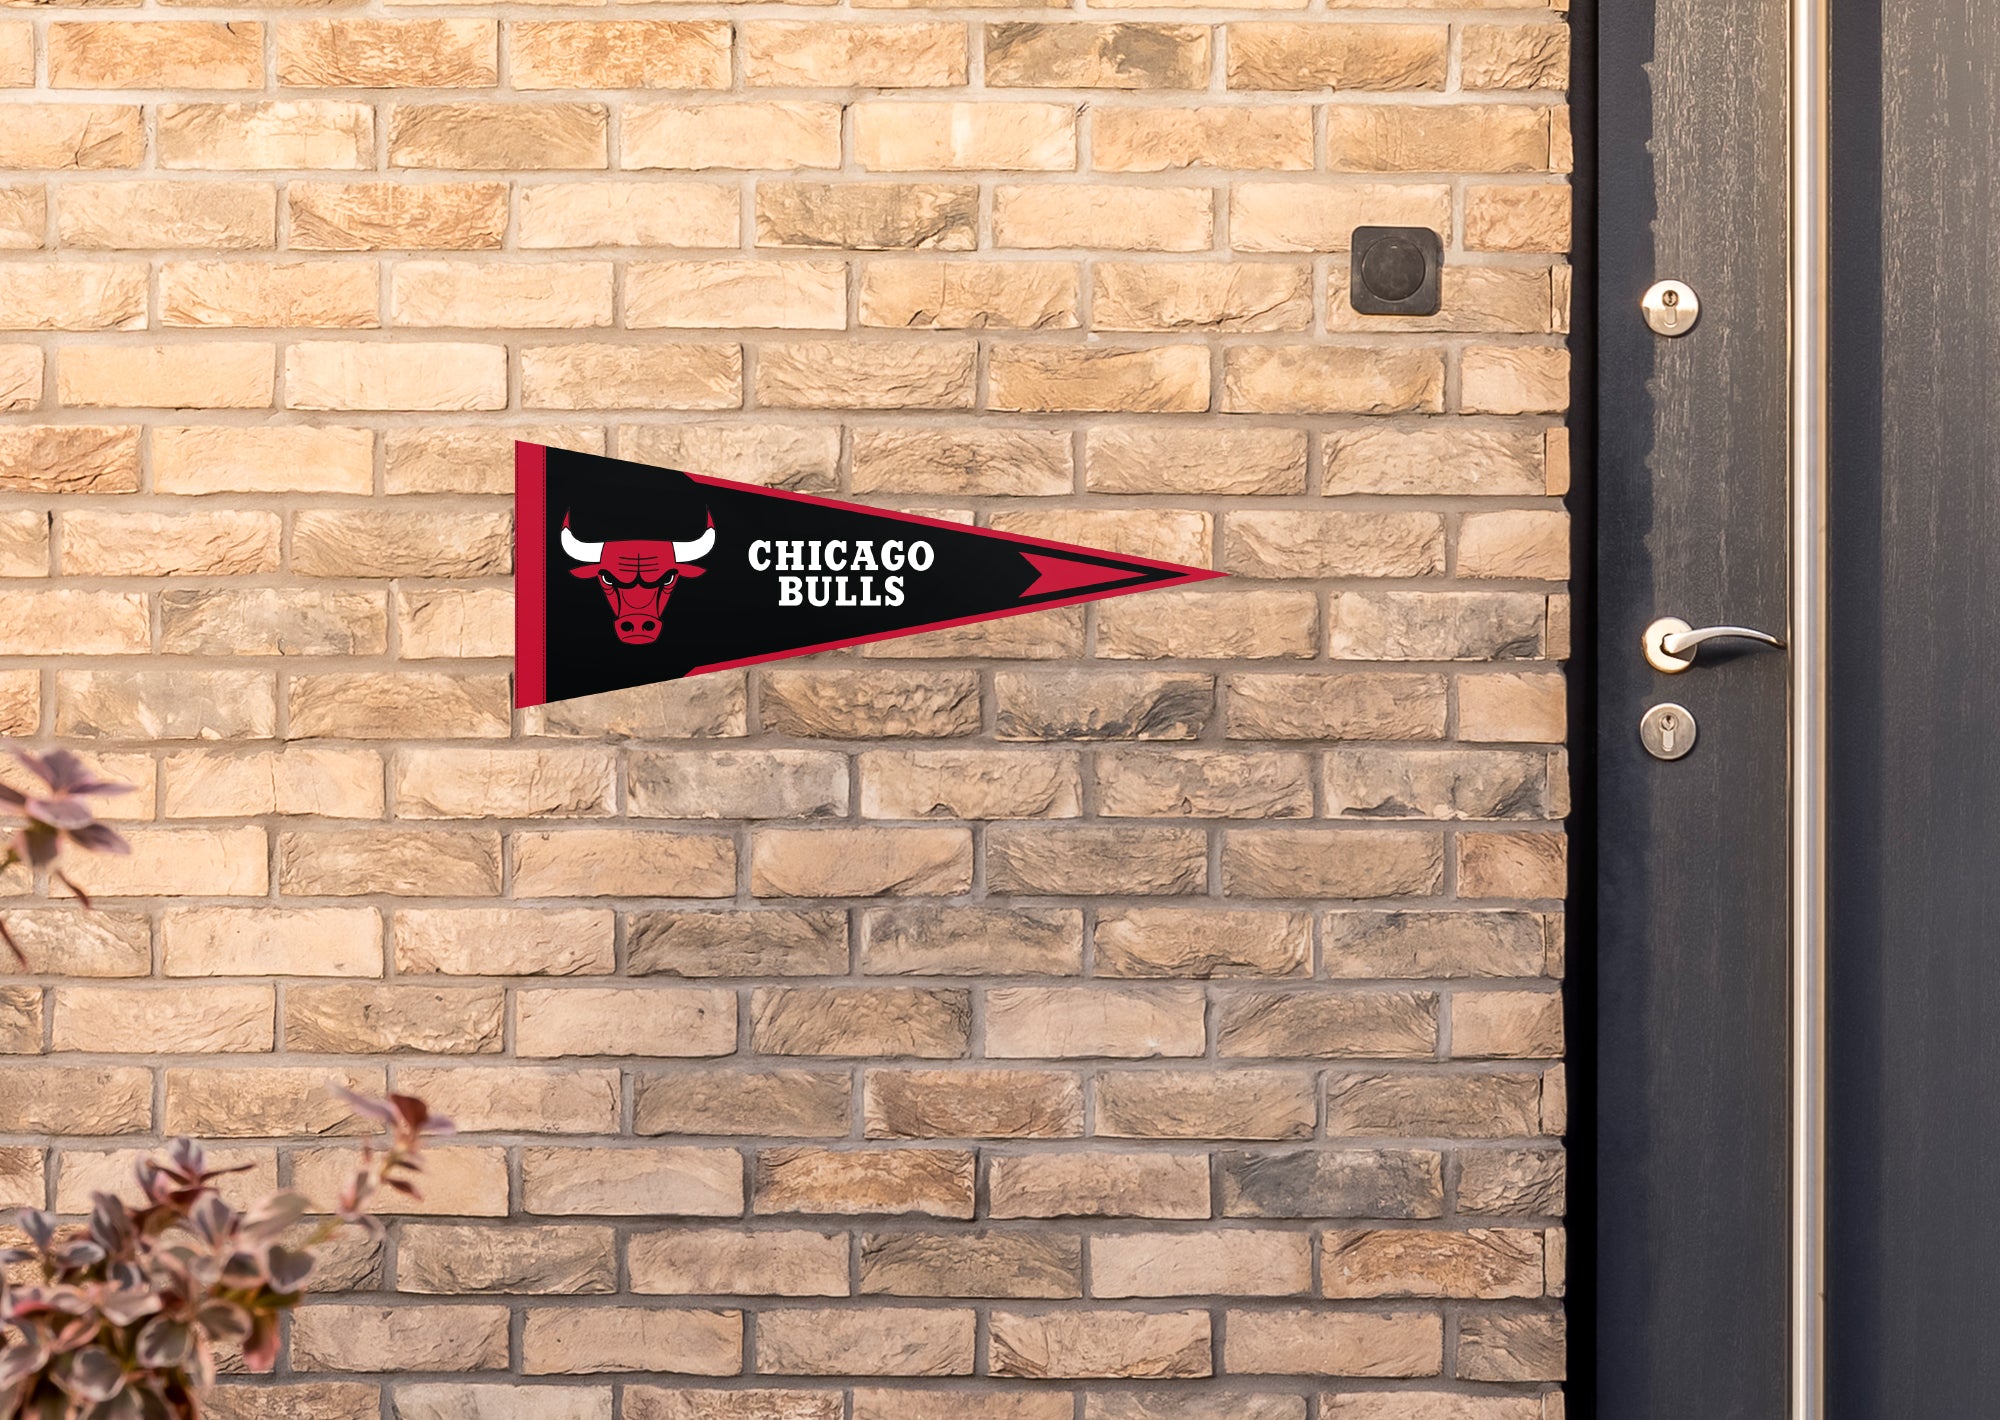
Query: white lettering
{"x": 760, "y": 556}
{"x": 791, "y": 557}
{"x": 923, "y": 548}
{"x": 831, "y": 564}
{"x": 788, "y": 591}
{"x": 892, "y": 588}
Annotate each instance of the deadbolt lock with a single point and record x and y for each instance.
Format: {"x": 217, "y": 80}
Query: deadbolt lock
{"x": 1667, "y": 731}
{"x": 1671, "y": 308}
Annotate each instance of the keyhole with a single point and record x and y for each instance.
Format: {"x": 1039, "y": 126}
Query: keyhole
{"x": 1670, "y": 299}
{"x": 1667, "y": 733}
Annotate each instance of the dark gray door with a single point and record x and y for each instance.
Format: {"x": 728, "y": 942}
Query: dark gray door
{"x": 1687, "y": 1174}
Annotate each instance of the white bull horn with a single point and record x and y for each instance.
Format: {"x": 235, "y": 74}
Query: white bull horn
{"x": 696, "y": 550}
{"x": 581, "y": 551}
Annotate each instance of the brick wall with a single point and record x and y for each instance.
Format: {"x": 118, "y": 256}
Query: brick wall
{"x": 1141, "y": 1012}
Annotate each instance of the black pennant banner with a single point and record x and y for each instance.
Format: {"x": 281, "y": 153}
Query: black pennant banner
{"x": 627, "y": 575}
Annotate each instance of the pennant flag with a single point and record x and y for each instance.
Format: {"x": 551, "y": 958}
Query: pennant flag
{"x": 626, "y": 575}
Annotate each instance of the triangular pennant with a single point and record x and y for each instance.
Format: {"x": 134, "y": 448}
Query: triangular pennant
{"x": 627, "y": 575}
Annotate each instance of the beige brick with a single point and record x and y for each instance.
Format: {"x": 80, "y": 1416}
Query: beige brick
{"x": 935, "y": 1182}
{"x": 965, "y": 941}
{"x": 629, "y": 214}
{"x": 1099, "y": 1185}
{"x": 253, "y": 1101}
{"x": 1435, "y": 944}
{"x": 507, "y": 1099}
{"x": 1115, "y": 705}
{"x": 503, "y": 941}
{"x": 618, "y": 54}
{"x": 171, "y": 1020}
{"x": 876, "y": 216}
{"x": 1507, "y": 706}
{"x": 59, "y": 136}
{"x": 99, "y": 943}
{"x": 803, "y": 1104}
{"x": 387, "y": 54}
{"x": 1164, "y": 535}
{"x": 24, "y": 543}
{"x": 454, "y": 623}
{"x": 363, "y": 216}
{"x": 456, "y": 1258}
{"x": 17, "y": 54}
{"x": 184, "y": 54}
{"x": 1316, "y": 544}
{"x": 1273, "y": 216}
{"x": 968, "y": 784}
{"x": 1152, "y": 140}
{"x": 1205, "y": 1104}
{"x": 806, "y": 459}
{"x": 987, "y": 1403}
{"x": 414, "y": 1338}
{"x": 242, "y": 941}
{"x": 1512, "y": 865}
{"x": 1480, "y": 138}
{"x": 73, "y": 296}
{"x": 381, "y": 707}
{"x": 865, "y": 1341}
{"x": 1514, "y": 56}
{"x": 797, "y": 295}
{"x": 544, "y": 295}
{"x": 75, "y": 1099}
{"x": 279, "y": 134}
{"x": 403, "y": 864}
{"x": 1201, "y": 296}
{"x": 502, "y": 783}
{"x": 658, "y": 1022}
{"x": 687, "y": 376}
{"x": 83, "y": 1172}
{"x": 24, "y": 211}
{"x": 867, "y": 375}
{"x": 1168, "y": 942}
{"x": 1487, "y": 1106}
{"x": 1437, "y": 626}
{"x": 788, "y": 1262}
{"x": 1532, "y": 217}
{"x": 712, "y": 706}
{"x": 1399, "y": 784}
{"x": 343, "y": 1020}
{"x": 1305, "y": 1024}
{"x": 21, "y": 377}
{"x": 1475, "y": 298}
{"x": 1514, "y": 379}
{"x": 1061, "y": 215}
{"x": 956, "y": 295}
{"x": 152, "y": 214}
{"x": 305, "y": 1400}
{"x": 663, "y": 1403}
{"x": 1023, "y": 858}
{"x": 1279, "y": 379}
{"x": 498, "y": 137}
{"x": 1317, "y": 55}
{"x": 271, "y": 459}
{"x": 1139, "y": 458}
{"x": 931, "y": 1024}
{"x": 930, "y": 137}
{"x": 738, "y": 943}
{"x": 271, "y": 621}
{"x": 1242, "y": 1262}
{"x": 459, "y": 1181}
{"x": 845, "y": 54}
{"x": 737, "y": 784}
{"x": 1520, "y": 543}
{"x": 993, "y": 1104}
{"x": 325, "y": 783}
{"x": 774, "y": 135}
{"x": 166, "y": 704}
{"x": 649, "y": 1180}
{"x": 1071, "y": 55}
{"x": 1306, "y": 863}
{"x": 1459, "y": 462}
{"x": 1251, "y": 624}
{"x": 158, "y": 545}
{"x": 210, "y": 375}
{"x": 962, "y": 462}
{"x": 60, "y": 621}
{"x": 981, "y": 1264}
{"x": 1100, "y": 1343}
{"x": 616, "y": 862}
{"x": 1436, "y": 1405}
{"x": 1042, "y": 378}
{"x": 1520, "y": 1347}
{"x": 1334, "y": 1343}
{"x": 334, "y": 374}
{"x": 1421, "y": 1263}
{"x": 1062, "y": 1022}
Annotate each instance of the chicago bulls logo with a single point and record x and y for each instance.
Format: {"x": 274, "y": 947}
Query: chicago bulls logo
{"x": 638, "y": 576}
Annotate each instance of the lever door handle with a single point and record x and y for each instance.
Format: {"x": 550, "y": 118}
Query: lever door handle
{"x": 1670, "y": 642}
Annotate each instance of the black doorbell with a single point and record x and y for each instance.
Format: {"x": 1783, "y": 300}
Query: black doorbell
{"x": 1396, "y": 271}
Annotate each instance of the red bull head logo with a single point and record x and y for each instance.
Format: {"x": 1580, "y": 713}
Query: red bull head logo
{"x": 637, "y": 576}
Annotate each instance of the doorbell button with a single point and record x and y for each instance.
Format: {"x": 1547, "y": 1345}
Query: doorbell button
{"x": 1396, "y": 271}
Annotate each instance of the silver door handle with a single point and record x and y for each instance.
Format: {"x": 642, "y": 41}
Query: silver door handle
{"x": 1670, "y": 642}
